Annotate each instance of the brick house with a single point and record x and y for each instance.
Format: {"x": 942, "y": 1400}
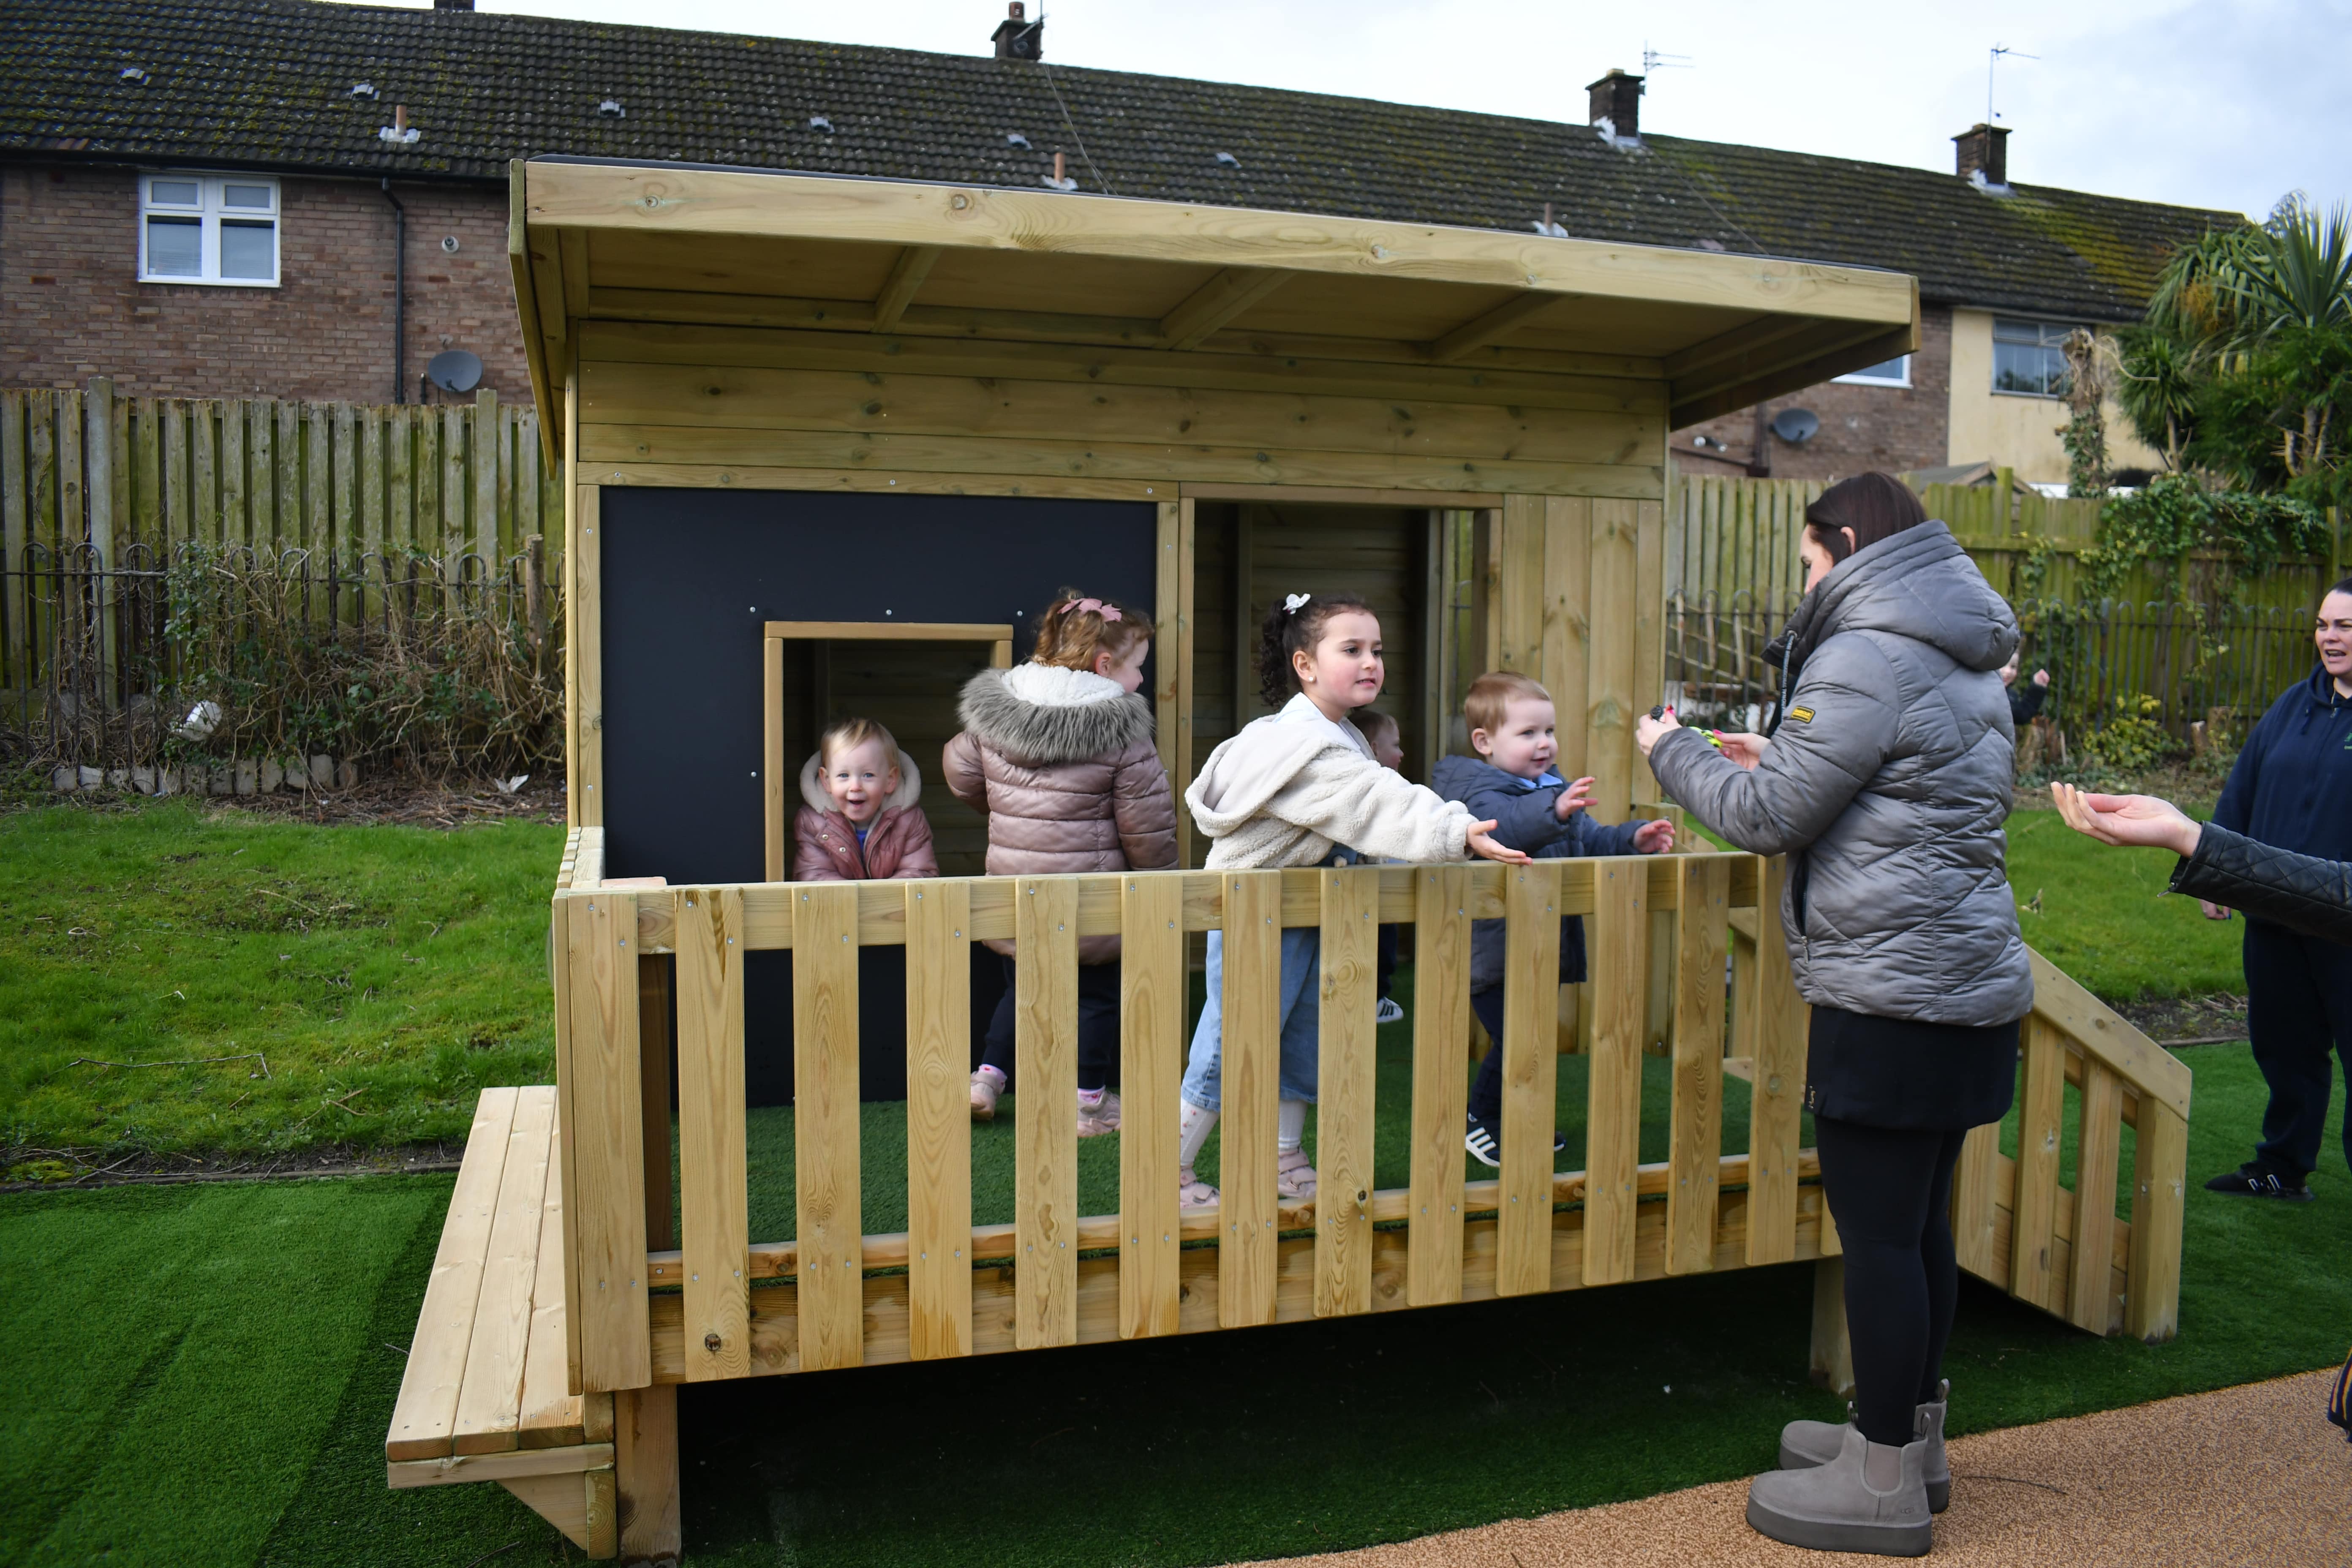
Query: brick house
{"x": 202, "y": 197}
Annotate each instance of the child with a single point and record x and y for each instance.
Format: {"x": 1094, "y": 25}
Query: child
{"x": 1380, "y": 732}
{"x": 860, "y": 816}
{"x": 1058, "y": 753}
{"x": 1512, "y": 729}
{"x": 1293, "y": 789}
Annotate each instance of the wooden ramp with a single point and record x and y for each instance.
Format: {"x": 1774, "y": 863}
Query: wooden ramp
{"x": 486, "y": 1396}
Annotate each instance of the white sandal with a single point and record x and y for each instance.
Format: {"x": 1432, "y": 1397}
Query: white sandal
{"x": 1192, "y": 1192}
{"x": 1294, "y": 1178}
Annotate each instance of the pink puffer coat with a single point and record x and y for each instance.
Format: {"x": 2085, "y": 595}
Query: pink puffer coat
{"x": 898, "y": 841}
{"x": 1062, "y": 762}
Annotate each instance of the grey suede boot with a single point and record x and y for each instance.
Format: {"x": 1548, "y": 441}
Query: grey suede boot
{"x": 1833, "y": 1507}
{"x": 1804, "y": 1444}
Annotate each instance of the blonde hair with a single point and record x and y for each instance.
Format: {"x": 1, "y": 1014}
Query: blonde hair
{"x": 1075, "y": 629}
{"x": 849, "y": 733}
{"x": 1491, "y": 693}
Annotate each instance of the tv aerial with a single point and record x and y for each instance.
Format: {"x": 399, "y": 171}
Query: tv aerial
{"x": 1991, "y": 65}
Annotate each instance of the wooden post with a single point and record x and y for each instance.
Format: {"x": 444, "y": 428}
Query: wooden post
{"x": 1347, "y": 1053}
{"x": 1833, "y": 1351}
{"x": 1151, "y": 1064}
{"x": 1251, "y": 1092}
{"x": 644, "y": 1462}
{"x": 98, "y": 490}
{"x": 714, "y": 1218}
{"x": 1441, "y": 1051}
{"x": 1695, "y": 1136}
{"x": 825, "y": 1125}
{"x": 1531, "y": 1072}
{"x": 2034, "y": 1224}
{"x": 484, "y": 456}
{"x": 1775, "y": 1033}
{"x": 1618, "y": 936}
{"x": 603, "y": 1167}
{"x": 938, "y": 1118}
{"x": 2160, "y": 1182}
{"x": 1045, "y": 1129}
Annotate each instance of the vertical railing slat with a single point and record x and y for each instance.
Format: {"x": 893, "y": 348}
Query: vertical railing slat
{"x": 832, "y": 1299}
{"x": 1530, "y": 1070}
{"x": 1441, "y": 1054}
{"x": 1347, "y": 1051}
{"x": 1151, "y": 1062}
{"x": 1974, "y": 1203}
{"x": 1776, "y": 1044}
{"x": 938, "y": 1118}
{"x": 16, "y": 499}
{"x": 2099, "y": 1151}
{"x": 1045, "y": 1112}
{"x": 1695, "y": 1139}
{"x": 604, "y": 1203}
{"x": 2033, "y": 1227}
{"x": 2159, "y": 1182}
{"x": 715, "y": 1232}
{"x": 1250, "y": 1098}
{"x": 1617, "y": 937}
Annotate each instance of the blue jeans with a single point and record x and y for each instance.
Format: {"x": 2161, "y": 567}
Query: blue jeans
{"x": 1302, "y": 1014}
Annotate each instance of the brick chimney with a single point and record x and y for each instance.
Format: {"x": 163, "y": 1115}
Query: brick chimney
{"x": 1617, "y": 102}
{"x": 1982, "y": 148}
{"x": 1016, "y": 38}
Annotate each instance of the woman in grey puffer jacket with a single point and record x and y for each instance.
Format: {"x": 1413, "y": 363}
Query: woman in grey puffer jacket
{"x": 1886, "y": 780}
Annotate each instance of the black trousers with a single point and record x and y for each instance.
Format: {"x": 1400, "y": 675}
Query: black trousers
{"x": 1097, "y": 1027}
{"x": 2298, "y": 1000}
{"x": 1486, "y": 1089}
{"x": 1890, "y": 1190}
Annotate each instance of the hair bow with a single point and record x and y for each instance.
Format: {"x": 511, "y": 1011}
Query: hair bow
{"x": 1088, "y": 607}
{"x": 1291, "y": 602}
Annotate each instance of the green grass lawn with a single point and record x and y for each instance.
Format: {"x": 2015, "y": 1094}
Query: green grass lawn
{"x": 2105, "y": 920}
{"x": 392, "y": 971}
{"x": 203, "y": 1378}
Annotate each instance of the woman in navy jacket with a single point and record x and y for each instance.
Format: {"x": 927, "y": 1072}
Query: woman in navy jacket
{"x": 2292, "y": 789}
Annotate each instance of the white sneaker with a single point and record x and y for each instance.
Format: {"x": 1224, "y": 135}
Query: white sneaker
{"x": 1389, "y": 1011}
{"x": 987, "y": 1083}
{"x": 1294, "y": 1178}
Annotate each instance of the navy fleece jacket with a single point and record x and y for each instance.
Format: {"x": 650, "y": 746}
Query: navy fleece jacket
{"x": 1524, "y": 820}
{"x": 2292, "y": 786}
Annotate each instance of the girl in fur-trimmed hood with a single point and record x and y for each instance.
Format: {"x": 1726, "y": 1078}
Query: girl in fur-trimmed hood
{"x": 1058, "y": 753}
{"x": 861, "y": 815}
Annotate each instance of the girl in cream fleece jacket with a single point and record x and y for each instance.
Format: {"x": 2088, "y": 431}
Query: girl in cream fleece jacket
{"x": 1300, "y": 787}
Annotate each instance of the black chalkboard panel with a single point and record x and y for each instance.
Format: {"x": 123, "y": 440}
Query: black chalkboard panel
{"x": 691, "y": 576}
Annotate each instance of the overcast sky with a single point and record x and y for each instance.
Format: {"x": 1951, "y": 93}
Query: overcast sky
{"x": 2218, "y": 103}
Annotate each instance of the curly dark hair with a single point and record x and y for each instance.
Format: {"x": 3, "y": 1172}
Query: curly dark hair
{"x": 1286, "y": 632}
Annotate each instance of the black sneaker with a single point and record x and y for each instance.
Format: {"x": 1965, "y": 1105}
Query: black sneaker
{"x": 2251, "y": 1181}
{"x": 1487, "y": 1148}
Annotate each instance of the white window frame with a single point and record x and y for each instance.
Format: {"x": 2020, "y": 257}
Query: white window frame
{"x": 2062, "y": 328}
{"x": 1863, "y": 377}
{"x": 210, "y": 210}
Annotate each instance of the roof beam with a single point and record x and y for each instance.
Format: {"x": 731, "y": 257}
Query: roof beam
{"x": 1738, "y": 341}
{"x": 1215, "y": 303}
{"x": 907, "y": 275}
{"x": 1827, "y": 354}
{"x": 1480, "y": 330}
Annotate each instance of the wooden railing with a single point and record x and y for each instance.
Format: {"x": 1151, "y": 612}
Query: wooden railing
{"x": 722, "y": 1305}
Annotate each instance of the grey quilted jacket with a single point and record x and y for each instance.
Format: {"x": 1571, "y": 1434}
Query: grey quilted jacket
{"x": 1886, "y": 784}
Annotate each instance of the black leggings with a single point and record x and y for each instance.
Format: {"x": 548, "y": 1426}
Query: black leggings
{"x": 1097, "y": 1027}
{"x": 1890, "y": 1191}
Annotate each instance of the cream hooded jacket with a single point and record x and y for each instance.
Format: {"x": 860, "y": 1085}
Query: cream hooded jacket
{"x": 1294, "y": 785}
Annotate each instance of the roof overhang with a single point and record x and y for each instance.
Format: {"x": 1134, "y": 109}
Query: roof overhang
{"x": 696, "y": 244}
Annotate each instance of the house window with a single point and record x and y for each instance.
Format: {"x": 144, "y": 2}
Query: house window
{"x": 1895, "y": 371}
{"x": 2029, "y": 358}
{"x": 208, "y": 229}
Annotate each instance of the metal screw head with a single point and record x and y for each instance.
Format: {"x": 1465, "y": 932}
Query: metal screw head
{"x": 710, "y": 1343}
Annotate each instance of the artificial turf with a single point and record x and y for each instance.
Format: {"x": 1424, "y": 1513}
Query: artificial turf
{"x": 203, "y": 1378}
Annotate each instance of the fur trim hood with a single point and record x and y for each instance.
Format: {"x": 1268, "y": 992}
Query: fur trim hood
{"x": 908, "y": 795}
{"x": 1040, "y": 714}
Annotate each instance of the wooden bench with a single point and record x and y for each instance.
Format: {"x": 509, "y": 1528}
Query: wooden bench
{"x": 488, "y": 1393}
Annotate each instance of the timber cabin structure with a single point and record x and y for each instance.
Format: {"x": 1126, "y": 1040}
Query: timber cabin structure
{"x": 1228, "y": 402}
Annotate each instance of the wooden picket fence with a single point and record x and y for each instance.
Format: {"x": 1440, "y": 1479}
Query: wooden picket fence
{"x": 725, "y": 1304}
{"x": 102, "y": 482}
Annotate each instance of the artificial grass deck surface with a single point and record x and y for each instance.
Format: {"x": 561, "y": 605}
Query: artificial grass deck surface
{"x": 202, "y": 1379}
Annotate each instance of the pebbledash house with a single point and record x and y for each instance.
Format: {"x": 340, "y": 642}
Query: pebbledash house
{"x": 276, "y": 198}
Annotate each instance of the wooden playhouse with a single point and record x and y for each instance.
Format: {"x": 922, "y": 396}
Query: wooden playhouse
{"x": 830, "y": 441}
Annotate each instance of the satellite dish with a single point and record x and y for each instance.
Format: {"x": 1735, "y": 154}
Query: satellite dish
{"x": 459, "y": 370}
{"x": 1794, "y": 425}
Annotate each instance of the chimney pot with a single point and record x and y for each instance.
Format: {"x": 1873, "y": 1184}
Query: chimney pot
{"x": 1017, "y": 39}
{"x": 1982, "y": 148}
{"x": 1616, "y": 99}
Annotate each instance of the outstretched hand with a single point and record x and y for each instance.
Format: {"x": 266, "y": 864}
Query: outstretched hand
{"x": 1484, "y": 847}
{"x": 2139, "y": 820}
{"x": 1656, "y": 837}
{"x": 1648, "y": 731}
{"x": 1573, "y": 799}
